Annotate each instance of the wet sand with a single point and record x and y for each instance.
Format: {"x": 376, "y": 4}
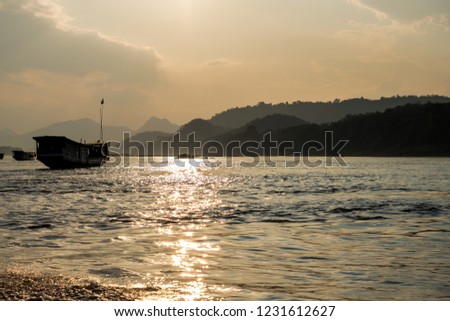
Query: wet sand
{"x": 21, "y": 285}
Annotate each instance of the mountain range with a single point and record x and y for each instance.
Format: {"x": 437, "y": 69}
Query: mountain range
{"x": 318, "y": 112}
{"x": 205, "y": 131}
{"x": 233, "y": 124}
{"x": 408, "y": 130}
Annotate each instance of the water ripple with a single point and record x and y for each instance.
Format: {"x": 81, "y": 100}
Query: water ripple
{"x": 377, "y": 230}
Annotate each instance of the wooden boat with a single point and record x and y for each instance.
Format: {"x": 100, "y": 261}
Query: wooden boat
{"x": 59, "y": 152}
{"x": 20, "y": 155}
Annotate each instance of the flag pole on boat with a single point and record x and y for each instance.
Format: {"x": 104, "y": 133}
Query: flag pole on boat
{"x": 101, "y": 118}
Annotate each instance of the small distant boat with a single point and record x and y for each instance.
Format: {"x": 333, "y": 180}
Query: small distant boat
{"x": 2, "y": 155}
{"x": 20, "y": 155}
{"x": 59, "y": 152}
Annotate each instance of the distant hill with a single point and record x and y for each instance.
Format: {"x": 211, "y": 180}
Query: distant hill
{"x": 7, "y": 132}
{"x": 274, "y": 122}
{"x": 317, "y": 112}
{"x": 85, "y": 129}
{"x": 82, "y": 129}
{"x": 149, "y": 136}
{"x": 138, "y": 145}
{"x": 255, "y": 129}
{"x": 410, "y": 130}
{"x": 202, "y": 129}
{"x": 155, "y": 124}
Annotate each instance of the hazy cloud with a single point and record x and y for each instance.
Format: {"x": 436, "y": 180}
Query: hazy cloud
{"x": 394, "y": 18}
{"x": 223, "y": 62}
{"x": 36, "y": 35}
{"x": 410, "y": 10}
{"x": 380, "y": 15}
{"x": 48, "y": 10}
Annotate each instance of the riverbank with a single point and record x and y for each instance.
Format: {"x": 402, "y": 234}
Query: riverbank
{"x": 22, "y": 285}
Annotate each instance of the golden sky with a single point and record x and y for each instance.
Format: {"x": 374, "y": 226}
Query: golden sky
{"x": 184, "y": 59}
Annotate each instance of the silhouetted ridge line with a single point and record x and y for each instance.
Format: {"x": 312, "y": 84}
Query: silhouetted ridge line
{"x": 410, "y": 130}
{"x": 318, "y": 112}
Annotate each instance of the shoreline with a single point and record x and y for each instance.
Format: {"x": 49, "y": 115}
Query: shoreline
{"x": 23, "y": 285}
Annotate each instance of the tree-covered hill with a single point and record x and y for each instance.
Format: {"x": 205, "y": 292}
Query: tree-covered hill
{"x": 317, "y": 112}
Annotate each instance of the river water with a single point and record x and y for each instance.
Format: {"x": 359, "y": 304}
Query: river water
{"x": 377, "y": 229}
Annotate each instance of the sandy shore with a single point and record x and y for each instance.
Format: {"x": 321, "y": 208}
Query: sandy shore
{"x": 20, "y": 285}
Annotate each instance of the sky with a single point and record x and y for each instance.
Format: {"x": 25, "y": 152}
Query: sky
{"x": 185, "y": 59}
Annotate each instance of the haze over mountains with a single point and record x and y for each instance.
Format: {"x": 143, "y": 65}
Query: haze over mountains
{"x": 235, "y": 123}
{"x": 81, "y": 129}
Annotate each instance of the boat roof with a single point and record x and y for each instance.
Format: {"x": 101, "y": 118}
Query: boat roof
{"x": 64, "y": 138}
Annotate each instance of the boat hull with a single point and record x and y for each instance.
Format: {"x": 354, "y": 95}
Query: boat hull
{"x": 59, "y": 152}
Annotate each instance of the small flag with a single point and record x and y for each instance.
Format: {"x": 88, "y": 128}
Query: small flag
{"x": 103, "y": 101}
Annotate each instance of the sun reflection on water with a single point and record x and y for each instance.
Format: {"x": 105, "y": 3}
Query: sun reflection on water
{"x": 190, "y": 261}
{"x": 187, "y": 196}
